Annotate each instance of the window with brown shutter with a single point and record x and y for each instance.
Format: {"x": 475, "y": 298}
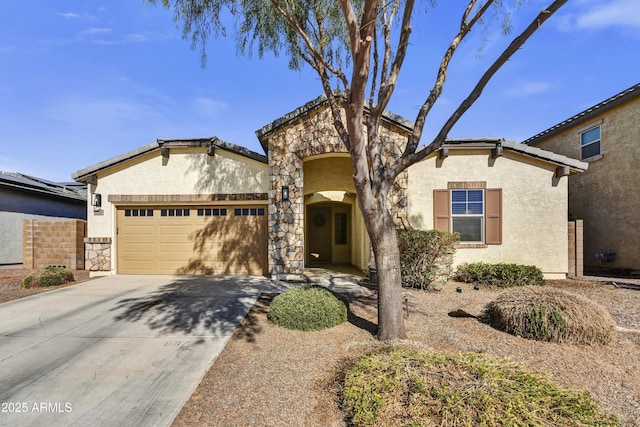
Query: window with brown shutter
{"x": 441, "y": 210}
{"x": 468, "y": 214}
{"x": 493, "y": 216}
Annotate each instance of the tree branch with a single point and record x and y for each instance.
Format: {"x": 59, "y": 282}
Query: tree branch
{"x": 386, "y": 89}
{"x": 434, "y": 94}
{"x": 317, "y": 56}
{"x": 409, "y": 159}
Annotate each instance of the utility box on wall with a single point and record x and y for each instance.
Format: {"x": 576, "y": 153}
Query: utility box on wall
{"x": 58, "y": 242}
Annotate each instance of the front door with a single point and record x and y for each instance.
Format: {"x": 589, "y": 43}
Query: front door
{"x": 319, "y": 234}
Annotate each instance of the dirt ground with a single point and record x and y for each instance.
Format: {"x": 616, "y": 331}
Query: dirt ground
{"x": 270, "y": 376}
{"x": 11, "y": 278}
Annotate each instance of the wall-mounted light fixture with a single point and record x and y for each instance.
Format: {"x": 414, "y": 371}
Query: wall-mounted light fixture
{"x": 285, "y": 192}
{"x": 211, "y": 151}
{"x": 96, "y": 201}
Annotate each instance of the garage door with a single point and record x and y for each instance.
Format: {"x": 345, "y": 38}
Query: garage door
{"x": 192, "y": 240}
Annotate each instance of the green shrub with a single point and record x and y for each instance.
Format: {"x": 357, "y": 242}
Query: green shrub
{"x": 550, "y": 314}
{"x": 499, "y": 275}
{"x": 405, "y": 386}
{"x": 49, "y": 276}
{"x": 426, "y": 257}
{"x": 307, "y": 308}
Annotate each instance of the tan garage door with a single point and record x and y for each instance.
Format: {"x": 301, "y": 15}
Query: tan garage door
{"x": 192, "y": 240}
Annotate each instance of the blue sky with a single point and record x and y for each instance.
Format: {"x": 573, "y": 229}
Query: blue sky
{"x": 84, "y": 80}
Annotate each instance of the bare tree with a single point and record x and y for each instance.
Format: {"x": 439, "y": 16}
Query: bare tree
{"x": 359, "y": 47}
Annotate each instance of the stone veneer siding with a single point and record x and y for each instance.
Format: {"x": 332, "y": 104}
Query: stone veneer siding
{"x": 288, "y": 145}
{"x": 97, "y": 253}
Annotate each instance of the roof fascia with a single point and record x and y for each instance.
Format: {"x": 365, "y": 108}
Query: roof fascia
{"x": 546, "y": 156}
{"x": 589, "y": 113}
{"x": 84, "y": 174}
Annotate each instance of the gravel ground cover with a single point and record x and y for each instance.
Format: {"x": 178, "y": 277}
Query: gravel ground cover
{"x": 11, "y": 279}
{"x": 271, "y": 376}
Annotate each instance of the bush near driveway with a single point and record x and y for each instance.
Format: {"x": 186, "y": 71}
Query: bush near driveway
{"x": 307, "y": 308}
{"x": 49, "y": 276}
{"x": 406, "y": 386}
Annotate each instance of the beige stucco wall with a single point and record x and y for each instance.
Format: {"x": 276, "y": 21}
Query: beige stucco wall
{"x": 604, "y": 195}
{"x": 186, "y": 171}
{"x": 534, "y": 206}
{"x": 329, "y": 172}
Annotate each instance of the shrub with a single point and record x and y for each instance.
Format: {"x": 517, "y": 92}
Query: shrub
{"x": 499, "y": 275}
{"x": 49, "y": 276}
{"x": 426, "y": 257}
{"x": 307, "y": 308}
{"x": 550, "y": 314}
{"x": 405, "y": 386}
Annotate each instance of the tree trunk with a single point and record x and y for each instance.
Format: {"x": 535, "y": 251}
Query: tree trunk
{"x": 387, "y": 257}
{"x": 384, "y": 241}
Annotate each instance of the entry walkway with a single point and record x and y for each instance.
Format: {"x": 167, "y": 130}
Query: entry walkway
{"x": 343, "y": 279}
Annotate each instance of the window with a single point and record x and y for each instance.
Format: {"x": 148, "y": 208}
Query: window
{"x": 340, "y": 228}
{"x": 249, "y": 211}
{"x": 467, "y": 214}
{"x": 471, "y": 210}
{"x": 590, "y": 143}
{"x": 175, "y": 212}
{"x": 138, "y": 212}
{"x": 212, "y": 212}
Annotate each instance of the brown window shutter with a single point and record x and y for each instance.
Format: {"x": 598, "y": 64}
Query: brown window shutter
{"x": 441, "y": 210}
{"x": 493, "y": 217}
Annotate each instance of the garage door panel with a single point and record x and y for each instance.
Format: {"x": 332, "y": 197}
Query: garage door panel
{"x": 139, "y": 267}
{"x": 138, "y": 230}
{"x": 139, "y": 248}
{"x": 192, "y": 244}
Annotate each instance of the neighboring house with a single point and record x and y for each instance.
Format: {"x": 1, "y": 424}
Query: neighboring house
{"x": 26, "y": 197}
{"x": 607, "y": 137}
{"x": 208, "y": 206}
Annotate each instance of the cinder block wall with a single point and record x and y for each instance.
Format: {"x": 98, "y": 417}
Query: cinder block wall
{"x": 53, "y": 243}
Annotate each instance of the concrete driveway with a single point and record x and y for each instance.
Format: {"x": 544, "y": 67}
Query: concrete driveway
{"x": 118, "y": 350}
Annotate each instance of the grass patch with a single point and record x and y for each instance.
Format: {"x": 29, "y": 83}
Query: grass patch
{"x": 307, "y": 308}
{"x": 549, "y": 314}
{"x": 48, "y": 276}
{"x": 405, "y": 386}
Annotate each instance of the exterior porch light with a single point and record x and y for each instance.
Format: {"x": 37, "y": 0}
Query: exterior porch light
{"x": 285, "y": 192}
{"x": 96, "y": 201}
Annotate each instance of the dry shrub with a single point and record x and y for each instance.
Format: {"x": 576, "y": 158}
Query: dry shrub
{"x": 407, "y": 386}
{"x": 549, "y": 314}
{"x": 48, "y": 276}
{"x": 426, "y": 257}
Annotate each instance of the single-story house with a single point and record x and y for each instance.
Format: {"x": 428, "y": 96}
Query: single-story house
{"x": 27, "y": 197}
{"x": 208, "y": 206}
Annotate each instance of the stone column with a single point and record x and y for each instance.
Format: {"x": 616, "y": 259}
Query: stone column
{"x": 97, "y": 253}
{"x": 286, "y": 217}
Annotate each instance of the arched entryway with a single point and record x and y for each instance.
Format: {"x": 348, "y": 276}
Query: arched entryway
{"x": 334, "y": 230}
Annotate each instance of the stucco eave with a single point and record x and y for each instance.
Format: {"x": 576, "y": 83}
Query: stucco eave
{"x": 83, "y": 174}
{"x": 575, "y": 166}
